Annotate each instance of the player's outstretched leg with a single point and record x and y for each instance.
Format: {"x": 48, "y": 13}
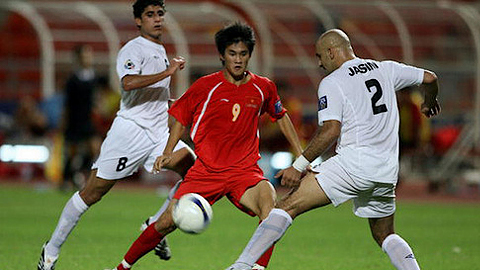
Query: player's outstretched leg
{"x": 46, "y": 262}
{"x": 144, "y": 244}
{"x": 149, "y": 238}
{"x": 397, "y": 249}
{"x": 400, "y": 253}
{"x": 78, "y": 204}
{"x": 182, "y": 160}
{"x": 71, "y": 213}
{"x": 267, "y": 233}
{"x": 263, "y": 261}
{"x": 162, "y": 250}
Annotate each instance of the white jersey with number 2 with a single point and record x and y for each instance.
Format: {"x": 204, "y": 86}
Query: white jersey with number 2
{"x": 361, "y": 95}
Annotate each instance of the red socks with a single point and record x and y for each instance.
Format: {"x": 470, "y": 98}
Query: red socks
{"x": 263, "y": 261}
{"x": 150, "y": 238}
{"x": 144, "y": 244}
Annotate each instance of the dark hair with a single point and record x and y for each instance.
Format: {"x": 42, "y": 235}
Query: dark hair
{"x": 140, "y": 6}
{"x": 234, "y": 33}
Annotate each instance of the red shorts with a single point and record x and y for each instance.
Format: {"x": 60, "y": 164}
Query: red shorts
{"x": 214, "y": 185}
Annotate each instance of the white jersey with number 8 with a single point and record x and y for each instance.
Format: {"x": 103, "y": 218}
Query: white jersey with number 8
{"x": 146, "y": 107}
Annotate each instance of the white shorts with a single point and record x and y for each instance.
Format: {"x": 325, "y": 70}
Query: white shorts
{"x": 126, "y": 148}
{"x": 370, "y": 199}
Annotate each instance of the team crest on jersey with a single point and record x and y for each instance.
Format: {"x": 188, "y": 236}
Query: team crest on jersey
{"x": 129, "y": 64}
{"x": 252, "y": 102}
{"x": 278, "y": 106}
{"x": 322, "y": 103}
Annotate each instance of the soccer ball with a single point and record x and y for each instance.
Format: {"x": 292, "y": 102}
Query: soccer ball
{"x": 192, "y": 213}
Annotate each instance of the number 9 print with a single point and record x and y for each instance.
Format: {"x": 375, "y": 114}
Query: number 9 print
{"x": 235, "y": 111}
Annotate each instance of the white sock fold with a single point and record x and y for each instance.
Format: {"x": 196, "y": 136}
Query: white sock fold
{"x": 71, "y": 213}
{"x": 267, "y": 233}
{"x": 400, "y": 253}
{"x": 79, "y": 203}
{"x": 126, "y": 265}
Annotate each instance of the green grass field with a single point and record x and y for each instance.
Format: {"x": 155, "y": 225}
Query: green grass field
{"x": 443, "y": 236}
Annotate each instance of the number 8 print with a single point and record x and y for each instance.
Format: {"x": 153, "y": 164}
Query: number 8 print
{"x": 235, "y": 111}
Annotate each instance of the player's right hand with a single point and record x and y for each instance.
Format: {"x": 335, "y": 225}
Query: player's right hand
{"x": 178, "y": 62}
{"x": 160, "y": 162}
{"x": 290, "y": 177}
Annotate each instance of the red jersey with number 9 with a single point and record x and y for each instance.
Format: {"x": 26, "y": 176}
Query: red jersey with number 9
{"x": 224, "y": 119}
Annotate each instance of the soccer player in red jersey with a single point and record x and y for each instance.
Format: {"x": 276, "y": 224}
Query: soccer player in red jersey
{"x": 223, "y": 111}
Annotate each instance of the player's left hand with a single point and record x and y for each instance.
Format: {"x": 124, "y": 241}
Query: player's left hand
{"x": 430, "y": 110}
{"x": 290, "y": 177}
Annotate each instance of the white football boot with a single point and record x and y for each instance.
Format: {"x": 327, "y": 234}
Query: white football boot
{"x": 46, "y": 262}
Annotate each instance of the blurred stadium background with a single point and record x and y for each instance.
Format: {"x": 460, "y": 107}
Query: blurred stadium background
{"x": 439, "y": 155}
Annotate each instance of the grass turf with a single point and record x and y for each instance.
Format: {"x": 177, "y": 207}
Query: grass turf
{"x": 443, "y": 236}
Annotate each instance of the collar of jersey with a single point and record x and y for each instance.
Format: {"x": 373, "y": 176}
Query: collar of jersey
{"x": 223, "y": 79}
{"x": 148, "y": 42}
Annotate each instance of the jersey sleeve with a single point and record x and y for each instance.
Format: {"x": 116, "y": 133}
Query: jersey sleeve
{"x": 330, "y": 102}
{"x": 129, "y": 62}
{"x": 273, "y": 105}
{"x": 183, "y": 109}
{"x": 404, "y": 75}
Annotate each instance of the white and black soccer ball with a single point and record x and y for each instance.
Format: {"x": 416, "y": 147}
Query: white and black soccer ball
{"x": 192, "y": 213}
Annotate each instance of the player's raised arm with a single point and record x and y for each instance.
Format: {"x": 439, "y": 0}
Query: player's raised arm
{"x": 288, "y": 130}
{"x": 323, "y": 140}
{"x": 134, "y": 81}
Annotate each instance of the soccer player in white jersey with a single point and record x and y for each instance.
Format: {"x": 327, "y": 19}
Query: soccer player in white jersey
{"x": 139, "y": 132}
{"x": 357, "y": 108}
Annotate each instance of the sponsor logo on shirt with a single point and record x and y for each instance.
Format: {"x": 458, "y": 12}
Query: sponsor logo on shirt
{"x": 322, "y": 103}
{"x": 129, "y": 64}
{"x": 278, "y": 106}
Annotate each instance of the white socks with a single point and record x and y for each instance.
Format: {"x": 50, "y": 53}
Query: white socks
{"x": 165, "y": 204}
{"x": 72, "y": 211}
{"x": 400, "y": 253}
{"x": 267, "y": 233}
{"x": 160, "y": 211}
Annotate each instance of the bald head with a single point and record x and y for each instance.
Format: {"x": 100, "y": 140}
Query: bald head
{"x": 334, "y": 38}
{"x": 333, "y": 48}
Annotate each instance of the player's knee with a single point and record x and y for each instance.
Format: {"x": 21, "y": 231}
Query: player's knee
{"x": 288, "y": 205}
{"x": 165, "y": 224}
{"x": 265, "y": 210}
{"x": 265, "y": 202}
